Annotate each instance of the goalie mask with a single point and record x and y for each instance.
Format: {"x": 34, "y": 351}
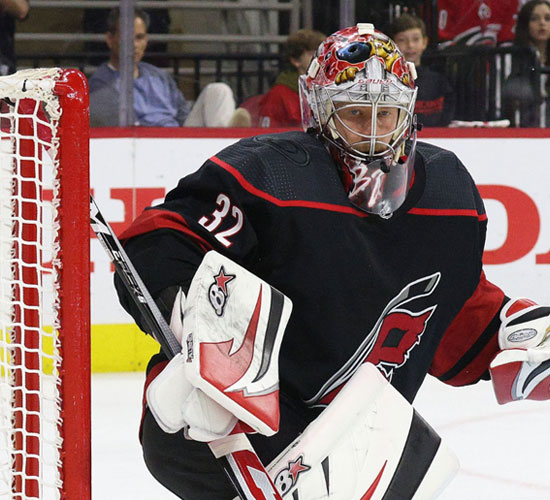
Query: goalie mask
{"x": 359, "y": 95}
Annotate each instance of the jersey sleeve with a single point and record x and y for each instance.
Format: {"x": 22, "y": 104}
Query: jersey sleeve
{"x": 471, "y": 341}
{"x": 208, "y": 210}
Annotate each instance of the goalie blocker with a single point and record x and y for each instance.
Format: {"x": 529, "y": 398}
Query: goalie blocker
{"x": 231, "y": 326}
{"x": 368, "y": 443}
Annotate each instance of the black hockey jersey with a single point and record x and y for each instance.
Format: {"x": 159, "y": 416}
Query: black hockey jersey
{"x": 435, "y": 101}
{"x": 405, "y": 293}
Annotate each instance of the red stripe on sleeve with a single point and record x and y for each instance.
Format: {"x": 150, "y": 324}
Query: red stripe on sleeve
{"x": 153, "y": 219}
{"x": 471, "y": 341}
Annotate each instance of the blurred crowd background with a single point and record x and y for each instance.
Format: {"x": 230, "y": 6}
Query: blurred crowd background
{"x": 473, "y": 43}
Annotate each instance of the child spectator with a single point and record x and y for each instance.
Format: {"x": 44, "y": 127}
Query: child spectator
{"x": 280, "y": 106}
{"x": 435, "y": 103}
{"x": 157, "y": 100}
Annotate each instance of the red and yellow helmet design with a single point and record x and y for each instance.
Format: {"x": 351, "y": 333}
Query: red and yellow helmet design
{"x": 344, "y": 54}
{"x": 359, "y": 73}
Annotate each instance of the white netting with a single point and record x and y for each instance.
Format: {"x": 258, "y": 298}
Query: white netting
{"x": 29, "y": 350}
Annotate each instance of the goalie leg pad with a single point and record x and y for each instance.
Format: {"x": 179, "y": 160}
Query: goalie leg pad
{"x": 369, "y": 441}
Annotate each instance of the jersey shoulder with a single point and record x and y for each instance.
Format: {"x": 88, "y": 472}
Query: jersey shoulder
{"x": 448, "y": 184}
{"x": 288, "y": 166}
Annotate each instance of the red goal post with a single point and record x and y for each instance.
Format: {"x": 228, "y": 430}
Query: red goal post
{"x": 45, "y": 445}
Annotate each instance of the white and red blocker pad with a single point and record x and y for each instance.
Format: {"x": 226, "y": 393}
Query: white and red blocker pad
{"x": 369, "y": 443}
{"x": 233, "y": 326}
{"x": 519, "y": 374}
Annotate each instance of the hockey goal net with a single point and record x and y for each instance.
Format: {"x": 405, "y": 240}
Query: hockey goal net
{"x": 44, "y": 286}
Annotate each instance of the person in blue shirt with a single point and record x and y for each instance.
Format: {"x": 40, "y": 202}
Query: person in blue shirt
{"x": 158, "y": 102}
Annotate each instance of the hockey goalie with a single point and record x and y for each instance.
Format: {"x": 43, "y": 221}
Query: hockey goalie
{"x": 313, "y": 280}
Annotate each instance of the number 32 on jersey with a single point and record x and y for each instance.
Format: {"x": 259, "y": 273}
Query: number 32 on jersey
{"x": 225, "y": 210}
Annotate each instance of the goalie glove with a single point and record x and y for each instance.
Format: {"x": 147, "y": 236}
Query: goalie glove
{"x": 228, "y": 369}
{"x": 522, "y": 369}
{"x": 176, "y": 404}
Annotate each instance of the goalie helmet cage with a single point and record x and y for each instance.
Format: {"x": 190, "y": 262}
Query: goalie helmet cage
{"x": 45, "y": 445}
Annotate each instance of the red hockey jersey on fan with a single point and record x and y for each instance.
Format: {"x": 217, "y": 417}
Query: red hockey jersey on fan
{"x": 280, "y": 107}
{"x": 474, "y": 22}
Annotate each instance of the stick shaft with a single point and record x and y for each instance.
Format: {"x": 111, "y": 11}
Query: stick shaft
{"x": 133, "y": 283}
{"x": 232, "y": 462}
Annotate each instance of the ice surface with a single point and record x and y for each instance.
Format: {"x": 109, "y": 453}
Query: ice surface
{"x": 503, "y": 450}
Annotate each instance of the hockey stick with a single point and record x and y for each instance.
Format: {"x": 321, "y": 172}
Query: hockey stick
{"x": 242, "y": 466}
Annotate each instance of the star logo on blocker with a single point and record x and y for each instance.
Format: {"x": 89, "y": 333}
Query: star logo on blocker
{"x": 222, "y": 279}
{"x": 296, "y": 467}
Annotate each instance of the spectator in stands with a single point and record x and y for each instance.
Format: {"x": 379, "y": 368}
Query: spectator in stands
{"x": 533, "y": 28}
{"x": 280, "y": 106}
{"x": 10, "y": 11}
{"x": 525, "y": 92}
{"x": 95, "y": 21}
{"x": 435, "y": 103}
{"x": 157, "y": 100}
{"x": 464, "y": 23}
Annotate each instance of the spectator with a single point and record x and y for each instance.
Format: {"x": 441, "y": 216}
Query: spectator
{"x": 10, "y": 11}
{"x": 435, "y": 103}
{"x": 280, "y": 106}
{"x": 157, "y": 100}
{"x": 480, "y": 22}
{"x": 525, "y": 94}
{"x": 95, "y": 21}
